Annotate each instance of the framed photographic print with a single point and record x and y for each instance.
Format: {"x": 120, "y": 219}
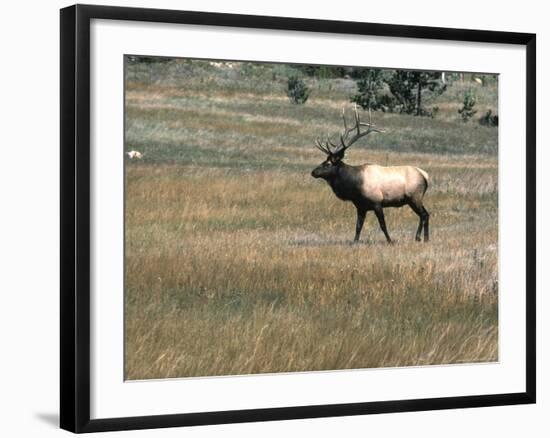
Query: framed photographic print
{"x": 268, "y": 218}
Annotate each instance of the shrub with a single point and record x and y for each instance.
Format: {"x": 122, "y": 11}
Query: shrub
{"x": 467, "y": 111}
{"x": 297, "y": 91}
{"x": 489, "y": 119}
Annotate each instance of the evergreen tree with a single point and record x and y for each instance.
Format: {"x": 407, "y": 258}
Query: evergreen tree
{"x": 369, "y": 84}
{"x": 410, "y": 88}
{"x": 297, "y": 91}
{"x": 467, "y": 111}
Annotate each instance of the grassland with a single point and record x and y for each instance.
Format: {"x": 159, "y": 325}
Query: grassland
{"x": 237, "y": 261}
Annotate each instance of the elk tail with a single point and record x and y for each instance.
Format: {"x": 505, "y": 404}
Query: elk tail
{"x": 426, "y": 178}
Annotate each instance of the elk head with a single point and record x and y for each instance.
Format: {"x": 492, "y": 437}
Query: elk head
{"x": 335, "y": 153}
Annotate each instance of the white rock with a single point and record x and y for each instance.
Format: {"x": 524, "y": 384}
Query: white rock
{"x": 135, "y": 154}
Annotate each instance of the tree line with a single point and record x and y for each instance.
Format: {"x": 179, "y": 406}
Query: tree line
{"x": 408, "y": 90}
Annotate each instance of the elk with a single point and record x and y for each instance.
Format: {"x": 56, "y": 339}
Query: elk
{"x": 371, "y": 186}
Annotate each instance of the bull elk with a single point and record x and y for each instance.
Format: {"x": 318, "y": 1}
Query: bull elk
{"x": 370, "y": 186}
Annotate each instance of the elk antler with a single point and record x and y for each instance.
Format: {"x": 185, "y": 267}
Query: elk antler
{"x": 320, "y": 146}
{"x": 330, "y": 148}
{"x": 357, "y": 127}
{"x": 326, "y": 148}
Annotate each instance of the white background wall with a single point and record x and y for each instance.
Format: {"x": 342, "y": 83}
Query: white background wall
{"x": 29, "y": 206}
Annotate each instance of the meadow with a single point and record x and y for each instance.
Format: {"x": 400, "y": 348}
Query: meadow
{"x": 237, "y": 261}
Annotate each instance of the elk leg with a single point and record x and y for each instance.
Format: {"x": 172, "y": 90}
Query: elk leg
{"x": 426, "y": 220}
{"x": 380, "y": 216}
{"x": 419, "y": 229}
{"x": 359, "y": 225}
{"x": 419, "y": 212}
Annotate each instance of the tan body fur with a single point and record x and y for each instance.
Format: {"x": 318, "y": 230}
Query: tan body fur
{"x": 393, "y": 186}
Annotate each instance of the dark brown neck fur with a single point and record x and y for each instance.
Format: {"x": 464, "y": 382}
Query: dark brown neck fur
{"x": 346, "y": 182}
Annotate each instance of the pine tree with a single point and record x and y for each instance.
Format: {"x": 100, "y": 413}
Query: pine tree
{"x": 369, "y": 84}
{"x": 297, "y": 91}
{"x": 410, "y": 87}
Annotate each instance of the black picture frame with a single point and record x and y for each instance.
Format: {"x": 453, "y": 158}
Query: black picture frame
{"x": 75, "y": 217}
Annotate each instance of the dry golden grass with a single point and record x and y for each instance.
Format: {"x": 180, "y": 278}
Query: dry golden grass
{"x": 248, "y": 273}
{"x": 237, "y": 261}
